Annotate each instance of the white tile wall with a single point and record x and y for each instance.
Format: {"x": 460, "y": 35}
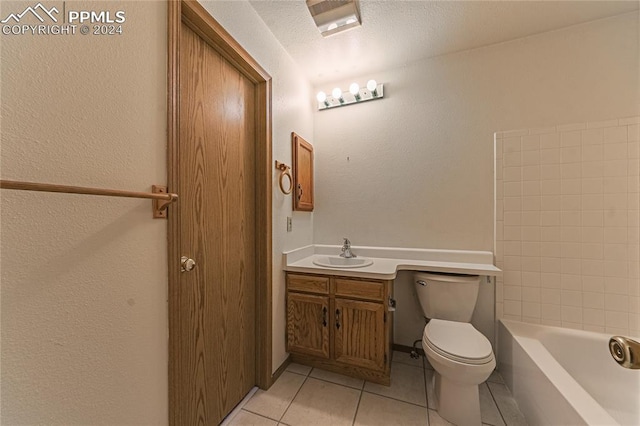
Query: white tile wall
{"x": 568, "y": 225}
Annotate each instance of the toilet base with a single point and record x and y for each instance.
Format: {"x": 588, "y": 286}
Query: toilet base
{"x": 457, "y": 403}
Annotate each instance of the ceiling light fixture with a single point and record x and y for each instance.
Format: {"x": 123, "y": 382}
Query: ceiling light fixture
{"x": 333, "y": 16}
{"x": 354, "y": 95}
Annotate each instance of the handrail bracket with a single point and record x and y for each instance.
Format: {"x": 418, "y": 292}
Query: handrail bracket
{"x": 160, "y": 206}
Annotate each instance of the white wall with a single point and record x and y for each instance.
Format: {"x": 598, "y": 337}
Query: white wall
{"x": 84, "y": 279}
{"x": 415, "y": 169}
{"x": 292, "y": 111}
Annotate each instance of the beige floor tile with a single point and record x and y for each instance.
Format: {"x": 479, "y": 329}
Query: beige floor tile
{"x": 245, "y": 418}
{"x": 428, "y": 378}
{"x": 436, "y": 420}
{"x": 274, "y": 402}
{"x": 495, "y": 377}
{"x": 407, "y": 384}
{"x": 322, "y": 403}
{"x": 337, "y": 378}
{"x": 405, "y": 358}
{"x": 507, "y": 405}
{"x": 488, "y": 408}
{"x": 299, "y": 369}
{"x": 378, "y": 410}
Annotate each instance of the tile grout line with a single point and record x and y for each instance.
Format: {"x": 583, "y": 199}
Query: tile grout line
{"x": 355, "y": 415}
{"x": 426, "y": 387}
{"x": 495, "y": 401}
{"x": 426, "y": 392}
{"x": 299, "y": 374}
{"x": 396, "y": 399}
{"x": 258, "y": 414}
{"x": 339, "y": 384}
{"x": 294, "y": 397}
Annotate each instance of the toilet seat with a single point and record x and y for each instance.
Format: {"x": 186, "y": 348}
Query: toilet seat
{"x": 458, "y": 341}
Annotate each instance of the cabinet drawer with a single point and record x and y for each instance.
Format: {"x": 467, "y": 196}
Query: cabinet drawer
{"x": 370, "y": 290}
{"x": 308, "y": 283}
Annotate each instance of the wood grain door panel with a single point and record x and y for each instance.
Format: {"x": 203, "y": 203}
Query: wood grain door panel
{"x": 359, "y": 333}
{"x": 216, "y": 362}
{"x": 302, "y": 174}
{"x": 308, "y": 324}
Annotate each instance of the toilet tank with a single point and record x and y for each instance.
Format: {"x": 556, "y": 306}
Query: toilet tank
{"x": 447, "y": 296}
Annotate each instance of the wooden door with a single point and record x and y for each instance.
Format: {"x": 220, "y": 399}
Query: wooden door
{"x": 214, "y": 358}
{"x": 359, "y": 333}
{"x": 308, "y": 322}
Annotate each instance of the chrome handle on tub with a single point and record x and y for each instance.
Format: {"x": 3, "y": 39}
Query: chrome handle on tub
{"x": 421, "y": 282}
{"x": 625, "y": 352}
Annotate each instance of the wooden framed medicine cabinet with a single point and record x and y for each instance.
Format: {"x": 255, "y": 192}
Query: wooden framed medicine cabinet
{"x": 302, "y": 173}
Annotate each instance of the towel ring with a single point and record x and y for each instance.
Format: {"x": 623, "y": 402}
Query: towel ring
{"x": 284, "y": 171}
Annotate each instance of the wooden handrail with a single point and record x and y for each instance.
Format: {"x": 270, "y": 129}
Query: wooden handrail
{"x": 161, "y": 198}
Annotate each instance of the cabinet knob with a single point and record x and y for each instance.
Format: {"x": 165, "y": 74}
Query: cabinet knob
{"x": 338, "y": 318}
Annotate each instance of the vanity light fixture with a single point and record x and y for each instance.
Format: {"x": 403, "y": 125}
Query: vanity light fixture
{"x": 372, "y": 86}
{"x": 322, "y": 98}
{"x": 337, "y": 94}
{"x": 354, "y": 95}
{"x": 355, "y": 91}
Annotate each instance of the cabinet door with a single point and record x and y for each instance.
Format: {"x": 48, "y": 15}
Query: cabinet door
{"x": 302, "y": 174}
{"x": 360, "y": 333}
{"x": 308, "y": 324}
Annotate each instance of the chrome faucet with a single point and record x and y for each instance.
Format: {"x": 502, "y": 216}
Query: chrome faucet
{"x": 346, "y": 250}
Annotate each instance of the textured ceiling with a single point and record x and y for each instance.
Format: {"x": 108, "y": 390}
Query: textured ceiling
{"x": 395, "y": 32}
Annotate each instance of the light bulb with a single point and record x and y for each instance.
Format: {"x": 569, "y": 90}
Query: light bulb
{"x": 336, "y": 93}
{"x": 321, "y": 96}
{"x": 372, "y": 85}
{"x": 354, "y": 88}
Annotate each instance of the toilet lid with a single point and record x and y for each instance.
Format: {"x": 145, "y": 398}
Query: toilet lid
{"x": 459, "y": 341}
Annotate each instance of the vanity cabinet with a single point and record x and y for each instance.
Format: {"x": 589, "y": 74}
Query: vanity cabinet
{"x": 340, "y": 324}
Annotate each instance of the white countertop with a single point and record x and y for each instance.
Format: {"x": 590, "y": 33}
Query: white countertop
{"x": 388, "y": 261}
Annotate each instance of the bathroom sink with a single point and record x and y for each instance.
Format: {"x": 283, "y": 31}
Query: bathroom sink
{"x": 342, "y": 262}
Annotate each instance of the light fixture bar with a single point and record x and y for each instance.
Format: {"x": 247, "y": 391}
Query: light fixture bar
{"x": 348, "y": 97}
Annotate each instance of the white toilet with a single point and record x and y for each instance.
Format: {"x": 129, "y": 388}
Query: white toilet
{"x": 461, "y": 356}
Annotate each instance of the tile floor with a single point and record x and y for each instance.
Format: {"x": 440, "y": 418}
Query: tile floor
{"x": 306, "y": 396}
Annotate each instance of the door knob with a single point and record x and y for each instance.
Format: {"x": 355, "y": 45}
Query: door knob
{"x": 187, "y": 264}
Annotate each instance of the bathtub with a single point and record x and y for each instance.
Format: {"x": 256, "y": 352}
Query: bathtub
{"x": 560, "y": 376}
